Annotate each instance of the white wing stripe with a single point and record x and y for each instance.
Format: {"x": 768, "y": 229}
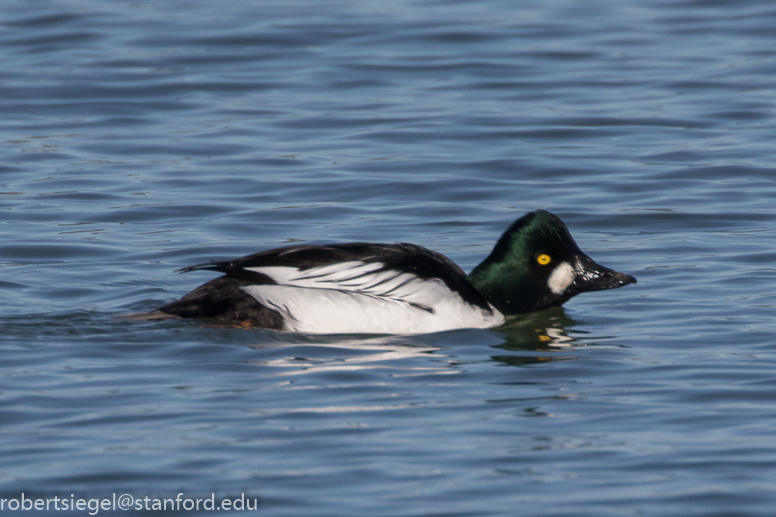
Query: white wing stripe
{"x": 349, "y": 276}
{"x": 359, "y": 297}
{"x": 335, "y": 311}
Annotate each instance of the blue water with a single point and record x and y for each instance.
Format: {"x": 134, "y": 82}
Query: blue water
{"x": 141, "y": 137}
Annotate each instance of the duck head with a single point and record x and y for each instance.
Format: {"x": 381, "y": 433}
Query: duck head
{"x": 537, "y": 265}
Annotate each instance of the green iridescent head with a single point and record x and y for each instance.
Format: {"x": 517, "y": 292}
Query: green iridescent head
{"x": 536, "y": 265}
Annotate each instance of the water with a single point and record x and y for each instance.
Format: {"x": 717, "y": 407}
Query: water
{"x": 141, "y": 137}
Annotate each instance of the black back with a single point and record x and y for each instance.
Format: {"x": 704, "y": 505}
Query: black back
{"x": 401, "y": 257}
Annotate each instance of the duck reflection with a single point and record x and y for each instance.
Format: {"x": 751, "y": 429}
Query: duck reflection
{"x": 529, "y": 339}
{"x": 328, "y": 353}
{"x": 537, "y": 338}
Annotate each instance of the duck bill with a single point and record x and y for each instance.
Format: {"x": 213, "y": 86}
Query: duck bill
{"x": 591, "y": 276}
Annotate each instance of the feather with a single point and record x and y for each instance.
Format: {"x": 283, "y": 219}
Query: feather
{"x": 430, "y": 307}
{"x": 342, "y": 288}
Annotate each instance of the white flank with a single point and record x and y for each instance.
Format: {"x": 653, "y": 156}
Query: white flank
{"x": 353, "y": 297}
{"x": 561, "y": 278}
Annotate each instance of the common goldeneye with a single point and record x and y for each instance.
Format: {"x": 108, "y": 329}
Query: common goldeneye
{"x": 396, "y": 288}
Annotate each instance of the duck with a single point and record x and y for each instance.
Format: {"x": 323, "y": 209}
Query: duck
{"x": 372, "y": 288}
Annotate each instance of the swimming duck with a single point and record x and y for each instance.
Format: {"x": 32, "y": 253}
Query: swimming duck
{"x": 396, "y": 288}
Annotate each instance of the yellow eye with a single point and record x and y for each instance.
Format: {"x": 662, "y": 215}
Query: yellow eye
{"x": 543, "y": 259}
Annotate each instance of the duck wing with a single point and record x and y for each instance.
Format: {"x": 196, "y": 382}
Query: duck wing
{"x": 361, "y": 287}
{"x": 348, "y": 266}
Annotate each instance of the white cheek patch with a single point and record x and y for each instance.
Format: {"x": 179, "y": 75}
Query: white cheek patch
{"x": 561, "y": 278}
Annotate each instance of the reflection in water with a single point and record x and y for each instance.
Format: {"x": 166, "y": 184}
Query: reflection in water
{"x": 543, "y": 332}
{"x": 403, "y": 356}
{"x": 518, "y": 360}
{"x": 328, "y": 409}
{"x": 529, "y": 339}
{"x": 359, "y": 354}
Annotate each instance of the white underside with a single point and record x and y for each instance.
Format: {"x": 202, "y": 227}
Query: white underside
{"x": 353, "y": 297}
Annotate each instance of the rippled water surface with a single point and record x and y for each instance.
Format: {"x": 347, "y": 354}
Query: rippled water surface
{"x": 141, "y": 137}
